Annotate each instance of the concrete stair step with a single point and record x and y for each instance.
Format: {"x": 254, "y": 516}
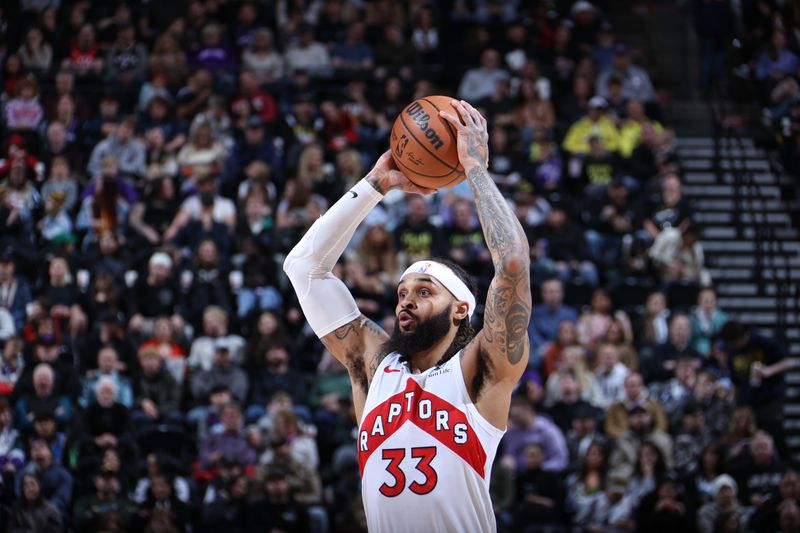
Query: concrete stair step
{"x": 726, "y": 152}
{"x": 782, "y": 219}
{"x": 729, "y": 274}
{"x": 765, "y": 317}
{"x": 745, "y": 246}
{"x": 732, "y": 232}
{"x": 727, "y": 204}
{"x": 748, "y": 303}
{"x": 709, "y": 141}
{"x": 725, "y": 164}
{"x": 728, "y": 191}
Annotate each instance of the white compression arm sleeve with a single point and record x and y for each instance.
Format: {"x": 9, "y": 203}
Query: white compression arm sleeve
{"x": 325, "y": 300}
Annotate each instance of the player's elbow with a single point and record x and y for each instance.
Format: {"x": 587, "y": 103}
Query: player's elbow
{"x": 515, "y": 264}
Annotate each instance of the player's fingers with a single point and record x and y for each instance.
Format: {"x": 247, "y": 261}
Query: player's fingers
{"x": 452, "y": 119}
{"x": 473, "y": 113}
{"x": 466, "y": 116}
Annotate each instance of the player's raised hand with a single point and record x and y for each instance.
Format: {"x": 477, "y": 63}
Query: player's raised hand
{"x": 384, "y": 176}
{"x": 473, "y": 135}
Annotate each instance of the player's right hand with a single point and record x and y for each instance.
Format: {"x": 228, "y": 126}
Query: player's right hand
{"x": 387, "y": 177}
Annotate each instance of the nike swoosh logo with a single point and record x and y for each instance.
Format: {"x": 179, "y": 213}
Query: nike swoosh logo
{"x": 354, "y": 193}
{"x": 389, "y": 370}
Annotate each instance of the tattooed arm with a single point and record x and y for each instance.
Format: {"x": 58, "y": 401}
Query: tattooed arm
{"x": 502, "y": 346}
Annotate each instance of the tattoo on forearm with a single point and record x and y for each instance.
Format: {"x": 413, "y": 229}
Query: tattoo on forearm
{"x": 508, "y": 304}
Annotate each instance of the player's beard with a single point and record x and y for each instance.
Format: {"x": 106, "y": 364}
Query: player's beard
{"x": 422, "y": 337}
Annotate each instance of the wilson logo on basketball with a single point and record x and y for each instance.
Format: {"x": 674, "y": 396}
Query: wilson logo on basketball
{"x": 421, "y": 118}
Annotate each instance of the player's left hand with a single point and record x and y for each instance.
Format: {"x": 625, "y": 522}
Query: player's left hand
{"x": 472, "y": 133}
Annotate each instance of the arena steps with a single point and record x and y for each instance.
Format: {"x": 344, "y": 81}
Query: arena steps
{"x": 751, "y": 247}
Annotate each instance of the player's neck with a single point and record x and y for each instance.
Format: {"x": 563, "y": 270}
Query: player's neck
{"x": 422, "y": 361}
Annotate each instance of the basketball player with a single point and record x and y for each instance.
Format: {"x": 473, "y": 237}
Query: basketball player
{"x": 432, "y": 398}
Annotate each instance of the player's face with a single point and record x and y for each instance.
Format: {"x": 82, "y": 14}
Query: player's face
{"x": 420, "y": 297}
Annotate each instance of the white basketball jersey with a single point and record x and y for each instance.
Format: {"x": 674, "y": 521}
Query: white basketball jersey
{"x": 425, "y": 452}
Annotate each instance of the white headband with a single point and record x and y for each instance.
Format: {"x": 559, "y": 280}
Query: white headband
{"x": 446, "y": 277}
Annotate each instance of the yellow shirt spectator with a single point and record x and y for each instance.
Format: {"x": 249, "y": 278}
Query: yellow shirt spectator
{"x": 596, "y": 123}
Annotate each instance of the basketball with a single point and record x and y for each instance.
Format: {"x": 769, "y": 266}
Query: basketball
{"x": 424, "y": 145}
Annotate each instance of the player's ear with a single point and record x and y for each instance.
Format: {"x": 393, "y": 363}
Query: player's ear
{"x": 461, "y": 310}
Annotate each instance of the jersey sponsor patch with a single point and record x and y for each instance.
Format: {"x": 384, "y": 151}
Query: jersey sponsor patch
{"x": 437, "y": 417}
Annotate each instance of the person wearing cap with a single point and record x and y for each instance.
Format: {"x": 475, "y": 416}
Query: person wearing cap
{"x": 432, "y": 355}
{"x": 254, "y": 145}
{"x": 636, "y": 84}
{"x": 596, "y": 123}
{"x": 154, "y": 295}
{"x": 724, "y": 489}
{"x": 56, "y": 481}
{"x": 642, "y": 429}
{"x": 92, "y": 510}
{"x": 692, "y": 435}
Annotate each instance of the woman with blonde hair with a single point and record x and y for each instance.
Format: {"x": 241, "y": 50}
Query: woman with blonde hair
{"x": 378, "y": 255}
{"x": 618, "y": 336}
{"x": 202, "y": 151}
{"x": 349, "y": 166}
{"x": 574, "y": 364}
{"x": 316, "y": 174}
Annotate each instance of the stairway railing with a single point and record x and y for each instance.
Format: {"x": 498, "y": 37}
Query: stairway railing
{"x": 769, "y": 251}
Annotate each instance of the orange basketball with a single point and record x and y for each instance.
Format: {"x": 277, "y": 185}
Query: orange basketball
{"x": 424, "y": 145}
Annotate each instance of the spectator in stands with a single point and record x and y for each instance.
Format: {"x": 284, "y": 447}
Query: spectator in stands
{"x": 669, "y": 209}
{"x": 618, "y": 414}
{"x": 261, "y": 58}
{"x": 757, "y": 366}
{"x": 573, "y": 365}
{"x": 106, "y": 423}
{"x": 665, "y": 509}
{"x": 33, "y": 512}
{"x": 707, "y": 320}
{"x": 636, "y": 84}
{"x": 223, "y": 371}
{"x": 307, "y": 54}
{"x": 36, "y": 54}
{"x": 627, "y": 445}
{"x": 415, "y": 236}
{"x": 206, "y": 208}
{"x": 215, "y": 327}
{"x": 279, "y": 508}
{"x": 547, "y": 316}
{"x": 274, "y": 375}
{"x": 11, "y": 455}
{"x": 55, "y": 481}
{"x": 107, "y": 507}
{"x": 155, "y": 295}
{"x": 716, "y": 400}
{"x": 678, "y": 345}
{"x": 479, "y": 83}
{"x": 352, "y": 55}
{"x": 772, "y": 515}
{"x": 632, "y": 128}
{"x": 596, "y": 122}
{"x": 692, "y": 435}
{"x": 107, "y": 367}
{"x": 42, "y": 398}
{"x": 127, "y": 150}
{"x": 15, "y": 293}
{"x": 678, "y": 256}
{"x": 568, "y": 403}
{"x": 553, "y": 352}
{"x": 529, "y": 428}
{"x": 539, "y": 494}
{"x": 229, "y": 442}
{"x": 162, "y": 507}
{"x": 611, "y": 214}
{"x": 564, "y": 251}
{"x": 776, "y": 62}
{"x": 158, "y": 395}
{"x": 594, "y": 321}
{"x": 758, "y": 472}
{"x": 610, "y": 374}
{"x": 23, "y": 113}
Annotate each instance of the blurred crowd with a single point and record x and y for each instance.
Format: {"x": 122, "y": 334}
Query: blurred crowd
{"x": 158, "y": 161}
{"x": 766, "y": 39}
